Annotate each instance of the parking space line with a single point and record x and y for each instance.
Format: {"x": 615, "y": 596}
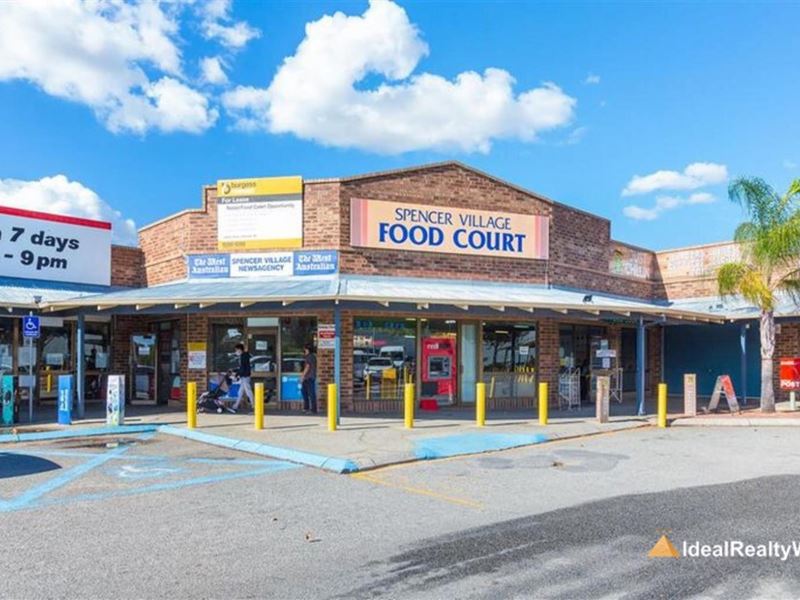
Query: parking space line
{"x": 60, "y": 480}
{"x": 419, "y": 491}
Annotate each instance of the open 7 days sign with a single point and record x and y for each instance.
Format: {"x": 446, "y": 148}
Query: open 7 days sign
{"x": 36, "y": 245}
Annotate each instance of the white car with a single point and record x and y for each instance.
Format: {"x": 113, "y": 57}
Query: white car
{"x": 376, "y": 366}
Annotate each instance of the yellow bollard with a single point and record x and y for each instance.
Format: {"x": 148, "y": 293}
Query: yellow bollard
{"x": 543, "y": 402}
{"x": 408, "y": 405}
{"x": 258, "y": 410}
{"x": 491, "y": 388}
{"x": 662, "y": 405}
{"x": 368, "y": 382}
{"x": 191, "y": 405}
{"x": 331, "y": 407}
{"x": 480, "y": 404}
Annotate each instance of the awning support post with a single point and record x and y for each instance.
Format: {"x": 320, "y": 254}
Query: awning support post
{"x": 80, "y": 369}
{"x": 337, "y": 358}
{"x": 743, "y": 359}
{"x": 640, "y": 366}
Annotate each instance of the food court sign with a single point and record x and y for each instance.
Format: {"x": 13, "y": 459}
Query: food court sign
{"x": 400, "y": 226}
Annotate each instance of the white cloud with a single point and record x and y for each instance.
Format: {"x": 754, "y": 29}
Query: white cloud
{"x": 218, "y": 25}
{"x": 102, "y": 53}
{"x": 789, "y": 164}
{"x": 59, "y": 195}
{"x": 592, "y": 79}
{"x": 213, "y": 71}
{"x": 313, "y": 94}
{"x": 695, "y": 175}
{"x": 666, "y": 203}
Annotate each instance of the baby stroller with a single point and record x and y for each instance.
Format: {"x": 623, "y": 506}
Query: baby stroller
{"x": 210, "y": 400}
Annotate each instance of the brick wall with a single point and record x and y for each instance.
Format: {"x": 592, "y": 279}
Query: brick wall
{"x": 127, "y": 266}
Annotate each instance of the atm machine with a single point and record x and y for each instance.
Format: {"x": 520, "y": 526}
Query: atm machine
{"x": 439, "y": 369}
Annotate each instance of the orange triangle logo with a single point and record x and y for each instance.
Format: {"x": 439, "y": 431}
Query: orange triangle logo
{"x": 663, "y": 549}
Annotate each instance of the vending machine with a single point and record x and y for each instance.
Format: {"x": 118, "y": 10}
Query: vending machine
{"x": 439, "y": 368}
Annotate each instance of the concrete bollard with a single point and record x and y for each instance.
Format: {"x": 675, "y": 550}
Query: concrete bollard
{"x": 662, "y": 405}
{"x": 258, "y": 409}
{"x": 408, "y": 405}
{"x": 480, "y": 404}
{"x": 601, "y": 401}
{"x": 191, "y": 405}
{"x": 543, "y": 402}
{"x": 332, "y": 417}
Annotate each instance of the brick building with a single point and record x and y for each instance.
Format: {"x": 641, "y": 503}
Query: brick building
{"x": 440, "y": 275}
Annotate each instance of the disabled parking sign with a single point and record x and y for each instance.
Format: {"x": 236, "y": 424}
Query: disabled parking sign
{"x": 30, "y": 326}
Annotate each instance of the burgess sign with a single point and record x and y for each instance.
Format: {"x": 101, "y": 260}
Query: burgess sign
{"x": 254, "y": 214}
{"x": 423, "y": 228}
{"x": 36, "y": 245}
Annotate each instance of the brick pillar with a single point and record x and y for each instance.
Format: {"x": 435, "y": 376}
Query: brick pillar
{"x": 787, "y": 344}
{"x": 346, "y": 392}
{"x": 196, "y": 330}
{"x": 549, "y": 362}
{"x": 325, "y": 364}
{"x": 654, "y": 358}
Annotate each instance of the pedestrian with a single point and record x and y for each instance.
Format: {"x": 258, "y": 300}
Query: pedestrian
{"x": 308, "y": 380}
{"x": 243, "y": 372}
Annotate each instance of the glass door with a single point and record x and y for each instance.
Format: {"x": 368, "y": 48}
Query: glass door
{"x": 263, "y": 348}
{"x": 144, "y": 352}
{"x": 468, "y": 368}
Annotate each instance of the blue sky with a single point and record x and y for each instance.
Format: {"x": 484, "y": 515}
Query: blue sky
{"x": 116, "y": 102}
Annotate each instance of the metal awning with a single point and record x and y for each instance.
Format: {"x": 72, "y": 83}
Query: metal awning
{"x": 736, "y": 308}
{"x": 385, "y": 291}
{"x": 25, "y": 294}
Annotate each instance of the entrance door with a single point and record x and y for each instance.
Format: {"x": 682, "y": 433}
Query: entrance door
{"x": 263, "y": 348}
{"x": 468, "y": 345}
{"x": 169, "y": 362}
{"x": 144, "y": 351}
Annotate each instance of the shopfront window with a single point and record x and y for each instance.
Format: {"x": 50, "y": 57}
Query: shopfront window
{"x": 296, "y": 332}
{"x": 509, "y": 360}
{"x": 384, "y": 357}
{"x": 6, "y": 346}
{"x": 54, "y": 358}
{"x": 96, "y": 353}
{"x": 439, "y": 360}
{"x": 224, "y": 337}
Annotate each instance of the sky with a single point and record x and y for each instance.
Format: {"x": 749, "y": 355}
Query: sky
{"x": 639, "y": 112}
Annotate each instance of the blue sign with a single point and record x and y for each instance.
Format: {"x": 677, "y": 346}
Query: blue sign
{"x": 316, "y": 262}
{"x": 65, "y": 399}
{"x": 8, "y": 400}
{"x": 30, "y": 327}
{"x": 263, "y": 264}
{"x": 209, "y": 265}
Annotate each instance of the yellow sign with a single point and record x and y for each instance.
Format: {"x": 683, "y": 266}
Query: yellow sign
{"x": 196, "y": 346}
{"x": 262, "y": 186}
{"x": 260, "y": 214}
{"x": 663, "y": 549}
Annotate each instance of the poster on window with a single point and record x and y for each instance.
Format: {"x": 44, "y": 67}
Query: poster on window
{"x": 197, "y": 356}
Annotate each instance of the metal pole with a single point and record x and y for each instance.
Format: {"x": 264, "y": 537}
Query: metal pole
{"x": 337, "y": 358}
{"x": 29, "y": 341}
{"x": 640, "y": 366}
{"x": 80, "y": 382}
{"x": 743, "y": 359}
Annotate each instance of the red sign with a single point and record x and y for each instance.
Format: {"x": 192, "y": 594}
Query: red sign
{"x": 790, "y": 374}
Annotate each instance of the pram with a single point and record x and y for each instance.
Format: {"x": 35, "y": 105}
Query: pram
{"x": 210, "y": 400}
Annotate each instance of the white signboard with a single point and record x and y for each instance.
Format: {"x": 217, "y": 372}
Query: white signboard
{"x": 115, "y": 400}
{"x": 274, "y": 264}
{"x": 35, "y": 245}
{"x": 606, "y": 353}
{"x": 197, "y": 359}
{"x": 326, "y": 336}
{"x": 258, "y": 222}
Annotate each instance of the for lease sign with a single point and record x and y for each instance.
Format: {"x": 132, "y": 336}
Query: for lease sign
{"x": 424, "y": 228}
{"x": 36, "y": 245}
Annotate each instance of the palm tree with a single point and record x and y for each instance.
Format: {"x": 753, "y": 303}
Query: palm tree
{"x": 769, "y": 264}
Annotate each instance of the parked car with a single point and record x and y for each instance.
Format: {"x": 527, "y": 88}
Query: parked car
{"x": 376, "y": 366}
{"x": 396, "y": 353}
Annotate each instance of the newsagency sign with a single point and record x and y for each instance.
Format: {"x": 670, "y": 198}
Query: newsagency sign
{"x": 263, "y": 264}
{"x": 255, "y": 214}
{"x": 425, "y": 228}
{"x": 37, "y": 245}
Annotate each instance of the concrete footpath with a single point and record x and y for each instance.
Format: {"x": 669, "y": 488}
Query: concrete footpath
{"x": 360, "y": 443}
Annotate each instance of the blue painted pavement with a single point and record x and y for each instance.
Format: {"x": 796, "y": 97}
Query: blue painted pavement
{"x": 472, "y": 443}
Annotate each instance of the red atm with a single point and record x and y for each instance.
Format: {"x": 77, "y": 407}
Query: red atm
{"x": 438, "y": 368}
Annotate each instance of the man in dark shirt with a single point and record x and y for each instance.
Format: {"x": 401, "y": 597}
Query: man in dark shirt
{"x": 244, "y": 378}
{"x": 308, "y": 380}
